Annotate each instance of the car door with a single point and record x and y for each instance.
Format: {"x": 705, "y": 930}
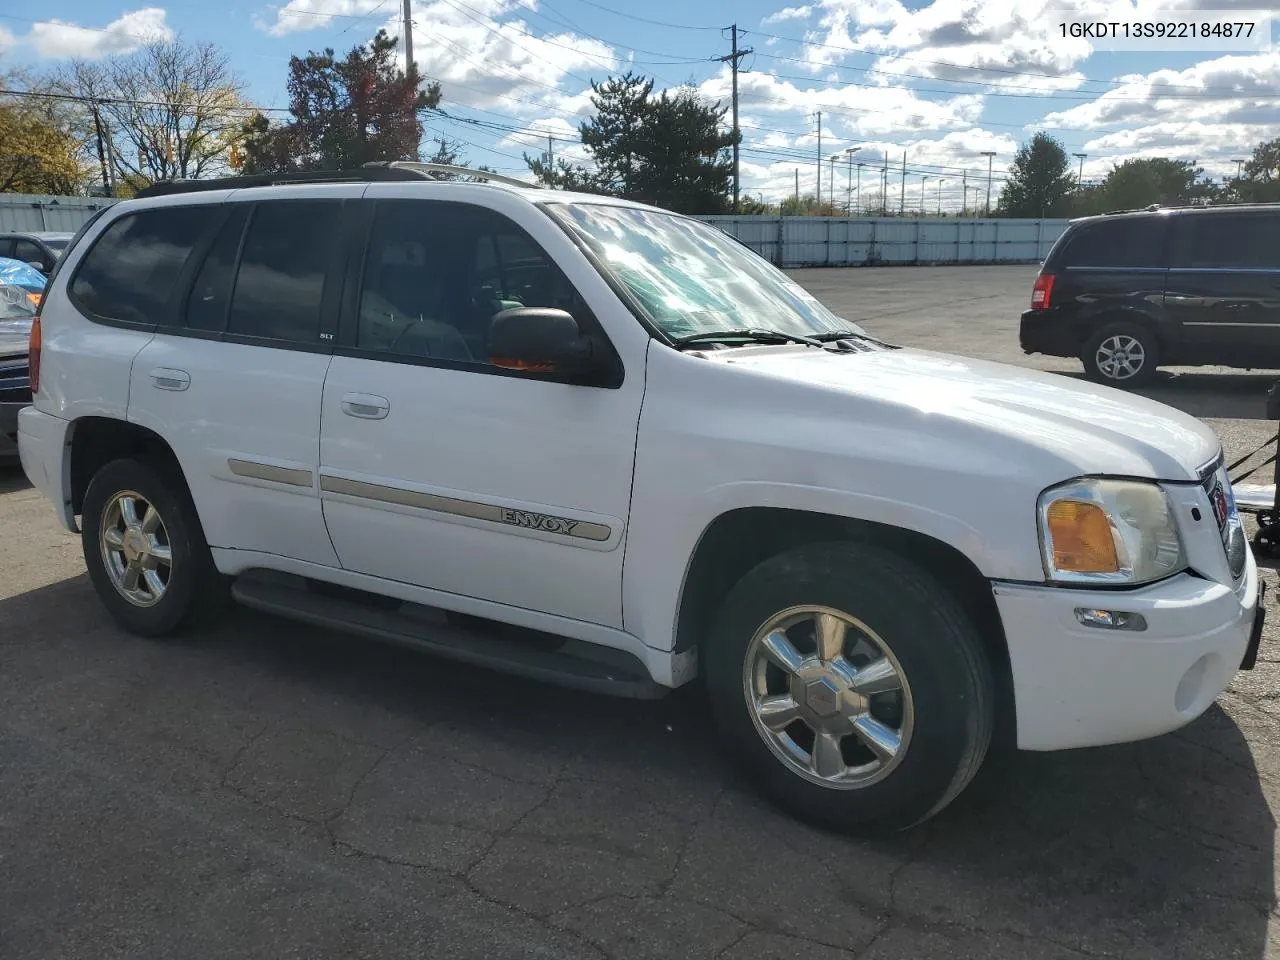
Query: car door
{"x": 1223, "y": 288}
{"x": 442, "y": 469}
{"x": 235, "y": 383}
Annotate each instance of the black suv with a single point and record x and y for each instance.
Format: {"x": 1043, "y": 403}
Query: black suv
{"x": 1127, "y": 292}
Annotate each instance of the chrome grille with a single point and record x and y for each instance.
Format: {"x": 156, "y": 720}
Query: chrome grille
{"x": 1222, "y": 503}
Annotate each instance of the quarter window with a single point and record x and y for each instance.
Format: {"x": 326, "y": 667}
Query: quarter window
{"x": 1123, "y": 242}
{"x": 130, "y": 272}
{"x": 280, "y": 283}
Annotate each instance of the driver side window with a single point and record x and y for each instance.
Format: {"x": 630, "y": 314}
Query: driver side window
{"x": 436, "y": 273}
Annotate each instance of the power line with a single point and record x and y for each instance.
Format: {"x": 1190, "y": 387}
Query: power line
{"x": 656, "y": 23}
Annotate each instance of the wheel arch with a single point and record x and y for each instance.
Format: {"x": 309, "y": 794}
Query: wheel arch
{"x": 96, "y": 441}
{"x": 739, "y": 539}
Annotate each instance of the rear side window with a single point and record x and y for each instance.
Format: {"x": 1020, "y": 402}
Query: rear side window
{"x": 1244, "y": 240}
{"x": 280, "y": 283}
{"x": 130, "y": 272}
{"x": 1127, "y": 242}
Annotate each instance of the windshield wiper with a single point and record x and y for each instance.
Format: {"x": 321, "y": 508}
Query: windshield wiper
{"x": 849, "y": 335}
{"x": 753, "y": 334}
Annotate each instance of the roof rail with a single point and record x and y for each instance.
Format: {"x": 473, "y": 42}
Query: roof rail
{"x": 164, "y": 188}
{"x": 424, "y": 169}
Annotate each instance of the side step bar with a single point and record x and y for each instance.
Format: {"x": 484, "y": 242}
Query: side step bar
{"x": 497, "y": 646}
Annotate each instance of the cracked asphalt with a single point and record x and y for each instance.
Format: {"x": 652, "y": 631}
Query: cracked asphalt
{"x": 264, "y": 789}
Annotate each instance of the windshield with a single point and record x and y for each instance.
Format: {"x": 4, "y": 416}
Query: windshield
{"x": 690, "y": 277}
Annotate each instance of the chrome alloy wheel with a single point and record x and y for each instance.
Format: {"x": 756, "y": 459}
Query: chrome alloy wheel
{"x": 135, "y": 548}
{"x": 1120, "y": 357}
{"x": 828, "y": 697}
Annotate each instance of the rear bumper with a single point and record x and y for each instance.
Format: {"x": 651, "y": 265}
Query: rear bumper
{"x": 42, "y": 445}
{"x": 9, "y": 432}
{"x": 1043, "y": 331}
{"x": 1080, "y": 686}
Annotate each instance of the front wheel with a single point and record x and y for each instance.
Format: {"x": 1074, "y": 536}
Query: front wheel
{"x": 851, "y": 685}
{"x": 1121, "y": 355}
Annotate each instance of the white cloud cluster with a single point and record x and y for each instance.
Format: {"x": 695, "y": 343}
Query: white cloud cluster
{"x": 56, "y": 39}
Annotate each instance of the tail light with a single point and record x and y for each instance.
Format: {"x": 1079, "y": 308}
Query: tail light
{"x": 1042, "y": 291}
{"x": 33, "y": 356}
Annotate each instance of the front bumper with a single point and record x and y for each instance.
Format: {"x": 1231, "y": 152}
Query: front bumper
{"x": 1082, "y": 686}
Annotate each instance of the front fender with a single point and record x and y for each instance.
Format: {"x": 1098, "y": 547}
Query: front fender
{"x": 663, "y": 540}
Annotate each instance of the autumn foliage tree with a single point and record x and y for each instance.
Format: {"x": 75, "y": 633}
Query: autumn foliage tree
{"x": 42, "y": 152}
{"x": 344, "y": 112}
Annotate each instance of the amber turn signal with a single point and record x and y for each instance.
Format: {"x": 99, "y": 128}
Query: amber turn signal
{"x": 1081, "y": 538}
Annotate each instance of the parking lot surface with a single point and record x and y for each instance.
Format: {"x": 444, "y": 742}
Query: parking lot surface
{"x": 264, "y": 789}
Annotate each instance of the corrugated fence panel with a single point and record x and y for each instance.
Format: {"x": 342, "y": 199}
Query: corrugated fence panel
{"x": 837, "y": 241}
{"x": 23, "y": 211}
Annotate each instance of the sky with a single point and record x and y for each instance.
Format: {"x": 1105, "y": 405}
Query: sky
{"x": 941, "y": 82}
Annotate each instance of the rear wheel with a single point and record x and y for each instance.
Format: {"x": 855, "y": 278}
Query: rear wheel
{"x": 1123, "y": 354}
{"x": 851, "y": 685}
{"x": 145, "y": 550}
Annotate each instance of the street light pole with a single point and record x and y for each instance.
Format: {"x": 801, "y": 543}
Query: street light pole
{"x": 990, "y": 155}
{"x": 831, "y": 185}
{"x": 848, "y": 191}
{"x": 858, "y": 195}
{"x": 941, "y": 181}
{"x": 923, "y": 181}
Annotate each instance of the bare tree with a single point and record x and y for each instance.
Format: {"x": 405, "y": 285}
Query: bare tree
{"x": 171, "y": 110}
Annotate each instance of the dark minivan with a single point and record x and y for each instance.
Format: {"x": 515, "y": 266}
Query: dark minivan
{"x": 1131, "y": 291}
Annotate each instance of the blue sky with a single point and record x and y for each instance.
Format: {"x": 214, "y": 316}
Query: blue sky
{"x": 943, "y": 81}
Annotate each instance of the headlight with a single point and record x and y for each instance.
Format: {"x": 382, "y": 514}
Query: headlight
{"x": 1108, "y": 532}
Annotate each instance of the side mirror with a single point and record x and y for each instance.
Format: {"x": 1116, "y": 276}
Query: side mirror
{"x": 539, "y": 340}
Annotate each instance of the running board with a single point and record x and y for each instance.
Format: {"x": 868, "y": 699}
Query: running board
{"x": 473, "y": 640}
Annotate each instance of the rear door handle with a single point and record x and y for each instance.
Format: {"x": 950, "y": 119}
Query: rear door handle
{"x": 367, "y": 406}
{"x": 167, "y": 378}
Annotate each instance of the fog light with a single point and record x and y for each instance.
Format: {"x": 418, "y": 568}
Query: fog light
{"x": 1110, "y": 619}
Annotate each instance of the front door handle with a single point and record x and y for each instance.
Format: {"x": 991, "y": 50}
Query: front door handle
{"x": 367, "y": 406}
{"x": 167, "y": 378}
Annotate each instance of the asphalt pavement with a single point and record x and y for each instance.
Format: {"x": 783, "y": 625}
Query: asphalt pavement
{"x": 264, "y": 789}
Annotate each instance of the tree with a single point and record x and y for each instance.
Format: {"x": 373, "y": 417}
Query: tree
{"x": 1142, "y": 182}
{"x": 171, "y": 110}
{"x": 43, "y": 151}
{"x": 1260, "y": 182}
{"x": 345, "y": 113}
{"x": 1039, "y": 182}
{"x": 669, "y": 150}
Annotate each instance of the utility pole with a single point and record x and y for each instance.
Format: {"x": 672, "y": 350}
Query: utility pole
{"x": 831, "y": 183}
{"x": 797, "y": 189}
{"x": 551, "y": 153}
{"x": 941, "y": 181}
{"x": 1239, "y": 165}
{"x": 102, "y": 150}
{"x": 857, "y": 202}
{"x": 964, "y": 204}
{"x": 884, "y": 187}
{"x": 902, "y": 192}
{"x": 990, "y": 155}
{"x": 732, "y": 59}
{"x": 923, "y": 181}
{"x": 408, "y": 36}
{"x": 848, "y": 187}
{"x": 818, "y": 198}
{"x": 1082, "y": 157}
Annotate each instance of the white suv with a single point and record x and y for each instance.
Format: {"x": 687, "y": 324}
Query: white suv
{"x": 602, "y": 444}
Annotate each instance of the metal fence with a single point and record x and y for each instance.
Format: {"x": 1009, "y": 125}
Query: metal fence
{"x": 786, "y": 241}
{"x": 842, "y": 242}
{"x": 32, "y": 212}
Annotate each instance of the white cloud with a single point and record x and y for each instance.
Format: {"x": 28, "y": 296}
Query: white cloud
{"x": 7, "y": 40}
{"x": 788, "y": 13}
{"x": 56, "y": 38}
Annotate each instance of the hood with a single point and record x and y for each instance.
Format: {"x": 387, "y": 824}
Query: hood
{"x": 1092, "y": 429}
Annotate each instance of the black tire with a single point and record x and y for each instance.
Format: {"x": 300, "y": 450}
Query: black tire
{"x": 1125, "y": 330}
{"x": 946, "y": 669}
{"x": 194, "y": 590}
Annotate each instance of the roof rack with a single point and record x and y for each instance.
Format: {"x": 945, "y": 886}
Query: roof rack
{"x": 378, "y": 171}
{"x": 424, "y": 169}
